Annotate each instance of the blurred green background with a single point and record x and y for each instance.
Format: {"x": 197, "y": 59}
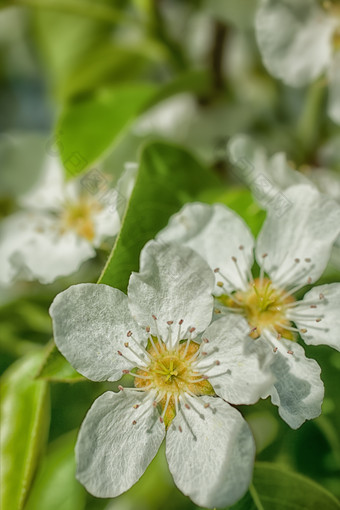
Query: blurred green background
{"x": 165, "y": 84}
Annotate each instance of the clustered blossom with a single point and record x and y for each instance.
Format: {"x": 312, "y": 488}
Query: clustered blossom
{"x": 292, "y": 251}
{"x": 184, "y": 368}
{"x": 59, "y": 225}
{"x": 299, "y": 41}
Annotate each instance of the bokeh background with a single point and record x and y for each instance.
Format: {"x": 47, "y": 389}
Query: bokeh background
{"x": 108, "y": 80}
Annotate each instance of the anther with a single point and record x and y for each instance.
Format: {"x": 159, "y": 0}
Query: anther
{"x": 205, "y": 340}
{"x": 303, "y": 330}
{"x": 275, "y": 349}
{"x": 219, "y": 284}
{"x": 279, "y": 336}
{"x": 308, "y": 260}
{"x": 289, "y": 352}
{"x": 136, "y": 406}
{"x": 234, "y": 259}
{"x": 318, "y": 320}
{"x": 187, "y": 406}
{"x": 313, "y": 306}
{"x": 126, "y": 371}
{"x": 154, "y": 317}
{"x": 264, "y": 255}
{"x": 241, "y": 247}
{"x": 216, "y": 270}
{"x": 206, "y": 405}
{"x": 217, "y": 362}
{"x": 180, "y": 428}
{"x": 310, "y": 280}
{"x": 181, "y": 322}
{"x": 129, "y": 333}
{"x": 253, "y": 329}
{"x": 119, "y": 353}
{"x": 169, "y": 323}
{"x": 147, "y": 329}
{"x": 191, "y": 330}
{"x": 134, "y": 422}
{"x": 297, "y": 260}
{"x": 161, "y": 419}
{"x": 154, "y": 403}
{"x": 217, "y": 310}
{"x": 126, "y": 344}
{"x": 321, "y": 296}
{"x": 120, "y": 388}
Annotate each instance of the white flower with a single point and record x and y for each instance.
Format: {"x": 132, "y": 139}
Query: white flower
{"x": 299, "y": 41}
{"x": 59, "y": 226}
{"x": 182, "y": 379}
{"x": 292, "y": 251}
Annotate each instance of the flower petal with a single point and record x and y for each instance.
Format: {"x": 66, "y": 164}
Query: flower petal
{"x": 298, "y": 242}
{"x": 298, "y": 390}
{"x": 241, "y": 375}
{"x": 327, "y": 331}
{"x": 216, "y": 234}
{"x": 266, "y": 176}
{"x": 112, "y": 451}
{"x": 173, "y": 284}
{"x": 210, "y": 452}
{"x": 334, "y": 90}
{"x": 295, "y": 39}
{"x": 90, "y": 323}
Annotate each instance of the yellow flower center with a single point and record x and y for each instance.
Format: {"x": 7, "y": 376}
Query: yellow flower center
{"x": 78, "y": 216}
{"x": 263, "y": 305}
{"x": 171, "y": 373}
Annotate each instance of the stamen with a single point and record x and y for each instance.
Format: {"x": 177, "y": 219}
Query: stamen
{"x": 243, "y": 281}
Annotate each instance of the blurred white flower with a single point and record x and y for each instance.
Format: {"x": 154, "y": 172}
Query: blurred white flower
{"x": 59, "y": 225}
{"x": 292, "y": 251}
{"x": 268, "y": 177}
{"x": 299, "y": 41}
{"x": 182, "y": 380}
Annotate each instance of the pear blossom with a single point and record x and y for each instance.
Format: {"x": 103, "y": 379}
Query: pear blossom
{"x": 58, "y": 226}
{"x": 185, "y": 370}
{"x": 292, "y": 251}
{"x": 299, "y": 41}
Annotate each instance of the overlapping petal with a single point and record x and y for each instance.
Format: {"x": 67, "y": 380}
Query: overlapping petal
{"x": 334, "y": 90}
{"x": 210, "y": 452}
{"x": 90, "y": 323}
{"x": 116, "y": 443}
{"x": 241, "y": 374}
{"x": 173, "y": 284}
{"x": 216, "y": 233}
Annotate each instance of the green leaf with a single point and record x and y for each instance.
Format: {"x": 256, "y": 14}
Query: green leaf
{"x": 55, "y": 487}
{"x": 56, "y": 368}
{"x": 87, "y": 128}
{"x": 276, "y": 488}
{"x": 167, "y": 178}
{"x": 24, "y": 426}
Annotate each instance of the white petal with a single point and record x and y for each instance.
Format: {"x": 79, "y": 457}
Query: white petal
{"x": 266, "y": 176}
{"x": 295, "y": 39}
{"x": 216, "y": 233}
{"x": 173, "y": 284}
{"x": 298, "y": 390}
{"x": 327, "y": 331}
{"x": 210, "y": 458}
{"x": 90, "y": 324}
{"x": 306, "y": 230}
{"x": 243, "y": 376}
{"x": 112, "y": 453}
{"x": 49, "y": 192}
{"x": 334, "y": 90}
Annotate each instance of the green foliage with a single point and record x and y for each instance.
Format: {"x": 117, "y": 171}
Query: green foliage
{"x": 55, "y": 486}
{"x": 167, "y": 178}
{"x": 81, "y": 142}
{"x": 276, "y": 488}
{"x": 56, "y": 368}
{"x": 24, "y": 425}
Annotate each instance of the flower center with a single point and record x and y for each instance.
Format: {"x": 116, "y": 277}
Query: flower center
{"x": 171, "y": 373}
{"x": 78, "y": 216}
{"x": 263, "y": 305}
